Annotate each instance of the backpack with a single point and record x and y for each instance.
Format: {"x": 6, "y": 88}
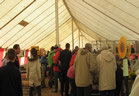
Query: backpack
{"x": 57, "y": 64}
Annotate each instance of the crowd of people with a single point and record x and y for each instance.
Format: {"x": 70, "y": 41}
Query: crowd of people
{"x": 80, "y": 69}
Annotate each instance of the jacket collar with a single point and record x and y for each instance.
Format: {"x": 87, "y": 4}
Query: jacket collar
{"x": 11, "y": 63}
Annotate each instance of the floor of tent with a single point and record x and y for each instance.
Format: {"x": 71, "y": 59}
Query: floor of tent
{"x": 44, "y": 91}
{"x": 48, "y": 92}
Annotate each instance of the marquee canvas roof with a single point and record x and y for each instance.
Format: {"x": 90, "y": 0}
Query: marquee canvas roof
{"x": 32, "y": 22}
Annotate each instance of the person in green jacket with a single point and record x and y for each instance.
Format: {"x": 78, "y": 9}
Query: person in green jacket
{"x": 50, "y": 65}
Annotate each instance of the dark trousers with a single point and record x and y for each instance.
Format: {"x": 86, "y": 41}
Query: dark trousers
{"x": 118, "y": 89}
{"x": 64, "y": 83}
{"x": 73, "y": 87}
{"x": 51, "y": 76}
{"x": 43, "y": 75}
{"x": 84, "y": 91}
{"x": 32, "y": 89}
{"x": 126, "y": 86}
{"x": 56, "y": 76}
{"x": 107, "y": 93}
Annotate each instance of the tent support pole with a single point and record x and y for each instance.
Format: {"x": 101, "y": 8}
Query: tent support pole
{"x": 79, "y": 37}
{"x": 82, "y": 39}
{"x": 57, "y": 22}
{"x": 72, "y": 35}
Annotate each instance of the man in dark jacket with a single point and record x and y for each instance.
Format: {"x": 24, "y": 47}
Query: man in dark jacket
{"x": 65, "y": 57}
{"x": 16, "y": 47}
{"x": 10, "y": 77}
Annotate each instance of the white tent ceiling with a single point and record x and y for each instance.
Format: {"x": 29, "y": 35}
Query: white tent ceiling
{"x": 109, "y": 19}
{"x": 32, "y": 22}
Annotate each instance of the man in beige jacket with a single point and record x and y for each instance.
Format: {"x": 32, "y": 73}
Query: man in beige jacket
{"x": 84, "y": 66}
{"x": 106, "y": 68}
{"x": 135, "y": 88}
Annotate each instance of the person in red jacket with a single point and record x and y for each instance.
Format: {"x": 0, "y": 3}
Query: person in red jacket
{"x": 72, "y": 59}
{"x": 71, "y": 76}
{"x": 56, "y": 69}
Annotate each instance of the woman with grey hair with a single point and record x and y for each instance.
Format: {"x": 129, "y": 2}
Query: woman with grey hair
{"x": 84, "y": 66}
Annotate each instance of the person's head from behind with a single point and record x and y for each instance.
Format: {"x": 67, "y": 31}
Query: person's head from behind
{"x": 55, "y": 48}
{"x": 48, "y": 52}
{"x": 44, "y": 53}
{"x": 52, "y": 48}
{"x": 11, "y": 55}
{"x": 34, "y": 53}
{"x": 16, "y": 47}
{"x": 119, "y": 60}
{"x": 67, "y": 46}
{"x": 88, "y": 46}
{"x": 104, "y": 46}
{"x": 76, "y": 48}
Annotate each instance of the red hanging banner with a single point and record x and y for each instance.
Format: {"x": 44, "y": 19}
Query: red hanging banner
{"x": 26, "y": 57}
{"x": 1, "y": 55}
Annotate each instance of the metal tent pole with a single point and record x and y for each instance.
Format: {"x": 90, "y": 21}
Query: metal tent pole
{"x": 79, "y": 38}
{"x": 57, "y": 22}
{"x": 82, "y": 39}
{"x": 72, "y": 35}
